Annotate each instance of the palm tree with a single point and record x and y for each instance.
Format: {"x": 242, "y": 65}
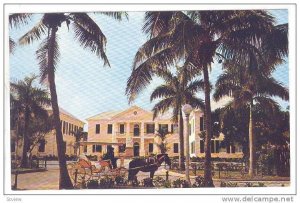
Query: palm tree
{"x": 198, "y": 38}
{"x": 27, "y": 102}
{"x": 162, "y": 145}
{"x": 90, "y": 36}
{"x": 38, "y": 129}
{"x": 179, "y": 89}
{"x": 79, "y": 134}
{"x": 249, "y": 88}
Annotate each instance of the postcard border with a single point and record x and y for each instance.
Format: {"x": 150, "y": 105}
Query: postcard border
{"x": 4, "y": 110}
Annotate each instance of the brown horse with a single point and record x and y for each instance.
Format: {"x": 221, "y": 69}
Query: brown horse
{"x": 145, "y": 165}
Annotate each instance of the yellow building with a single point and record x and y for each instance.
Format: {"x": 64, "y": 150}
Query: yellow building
{"x": 48, "y": 146}
{"x": 136, "y": 129}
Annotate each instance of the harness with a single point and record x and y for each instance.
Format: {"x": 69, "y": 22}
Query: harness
{"x": 156, "y": 163}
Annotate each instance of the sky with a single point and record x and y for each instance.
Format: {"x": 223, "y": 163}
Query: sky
{"x": 84, "y": 86}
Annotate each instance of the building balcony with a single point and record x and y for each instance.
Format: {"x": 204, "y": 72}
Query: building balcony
{"x": 134, "y": 134}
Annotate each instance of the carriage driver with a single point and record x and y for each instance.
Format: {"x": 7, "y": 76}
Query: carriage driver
{"x": 110, "y": 155}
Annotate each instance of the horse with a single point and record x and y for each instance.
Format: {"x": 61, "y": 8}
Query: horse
{"x": 143, "y": 165}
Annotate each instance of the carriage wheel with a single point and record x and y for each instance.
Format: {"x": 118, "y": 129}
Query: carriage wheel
{"x": 88, "y": 174}
{"x": 72, "y": 170}
{"x": 78, "y": 174}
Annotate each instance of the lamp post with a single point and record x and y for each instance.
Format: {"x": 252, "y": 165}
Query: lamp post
{"x": 187, "y": 109}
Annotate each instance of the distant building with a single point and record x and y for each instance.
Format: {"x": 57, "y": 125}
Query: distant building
{"x": 134, "y": 129}
{"x": 47, "y": 146}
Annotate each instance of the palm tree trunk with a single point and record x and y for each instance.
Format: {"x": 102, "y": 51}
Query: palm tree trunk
{"x": 24, "y": 162}
{"x": 64, "y": 178}
{"x": 181, "y": 142}
{"x": 208, "y": 182}
{"x": 251, "y": 146}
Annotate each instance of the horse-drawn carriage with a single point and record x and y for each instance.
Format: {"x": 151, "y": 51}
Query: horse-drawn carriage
{"x": 84, "y": 169}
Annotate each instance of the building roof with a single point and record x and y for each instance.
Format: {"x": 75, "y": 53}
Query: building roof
{"x": 63, "y": 111}
{"x": 104, "y": 115}
{"x": 112, "y": 114}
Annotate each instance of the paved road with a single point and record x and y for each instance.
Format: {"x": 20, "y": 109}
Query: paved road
{"x": 48, "y": 180}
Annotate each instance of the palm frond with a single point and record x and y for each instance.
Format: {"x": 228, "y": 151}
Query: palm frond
{"x": 162, "y": 106}
{"x": 247, "y": 26}
{"x": 43, "y": 58}
{"x": 196, "y": 86}
{"x": 272, "y": 87}
{"x": 197, "y": 103}
{"x": 266, "y": 104}
{"x": 17, "y": 19}
{"x": 34, "y": 34}
{"x": 155, "y": 22}
{"x": 162, "y": 91}
{"x": 275, "y": 43}
{"x": 89, "y": 35}
{"x": 142, "y": 75}
{"x": 116, "y": 15}
{"x": 12, "y": 45}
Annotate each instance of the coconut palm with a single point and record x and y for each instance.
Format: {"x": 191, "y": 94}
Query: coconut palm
{"x": 178, "y": 89}
{"x": 198, "y": 38}
{"x": 28, "y": 102}
{"x": 249, "y": 88}
{"x": 89, "y": 35}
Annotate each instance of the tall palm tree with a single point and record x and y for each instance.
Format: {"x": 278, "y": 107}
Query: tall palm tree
{"x": 198, "y": 38}
{"x": 89, "y": 36}
{"x": 28, "y": 102}
{"x": 178, "y": 89}
{"x": 248, "y": 88}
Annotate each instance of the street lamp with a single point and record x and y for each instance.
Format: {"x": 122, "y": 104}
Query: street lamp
{"x": 187, "y": 109}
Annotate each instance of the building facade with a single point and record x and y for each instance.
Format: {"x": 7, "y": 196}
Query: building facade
{"x": 135, "y": 132}
{"x": 47, "y": 146}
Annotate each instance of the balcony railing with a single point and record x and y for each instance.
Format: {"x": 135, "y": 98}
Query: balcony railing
{"x": 132, "y": 134}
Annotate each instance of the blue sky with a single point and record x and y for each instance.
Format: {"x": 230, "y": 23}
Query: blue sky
{"x": 84, "y": 86}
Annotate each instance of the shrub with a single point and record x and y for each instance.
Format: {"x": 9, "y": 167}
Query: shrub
{"x": 177, "y": 183}
{"x": 92, "y": 184}
{"x": 228, "y": 184}
{"x": 167, "y": 184}
{"x": 147, "y": 182}
{"x": 199, "y": 182}
{"x": 185, "y": 184}
{"x": 159, "y": 181}
{"x": 261, "y": 184}
{"x": 106, "y": 182}
{"x": 248, "y": 184}
{"x": 120, "y": 180}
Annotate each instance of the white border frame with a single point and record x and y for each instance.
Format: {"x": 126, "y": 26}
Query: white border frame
{"x": 108, "y": 7}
